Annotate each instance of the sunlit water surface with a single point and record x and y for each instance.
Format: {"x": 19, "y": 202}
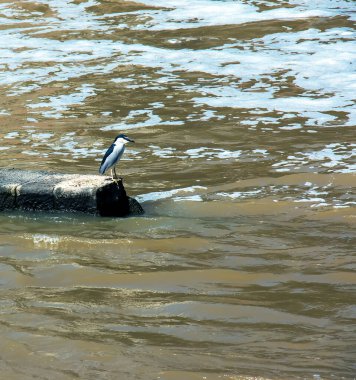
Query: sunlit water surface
{"x": 244, "y": 263}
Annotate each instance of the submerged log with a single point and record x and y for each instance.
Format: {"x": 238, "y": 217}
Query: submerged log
{"x": 46, "y": 191}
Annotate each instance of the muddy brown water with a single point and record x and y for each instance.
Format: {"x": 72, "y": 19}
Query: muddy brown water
{"x": 243, "y": 266}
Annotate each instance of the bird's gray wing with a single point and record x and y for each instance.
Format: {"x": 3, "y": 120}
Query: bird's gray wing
{"x": 112, "y": 155}
{"x": 103, "y": 166}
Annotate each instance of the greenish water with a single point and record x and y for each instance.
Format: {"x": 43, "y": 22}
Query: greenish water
{"x": 243, "y": 266}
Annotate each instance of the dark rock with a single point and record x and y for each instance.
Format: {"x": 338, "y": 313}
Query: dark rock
{"x": 134, "y": 207}
{"x": 40, "y": 190}
{"x": 112, "y": 200}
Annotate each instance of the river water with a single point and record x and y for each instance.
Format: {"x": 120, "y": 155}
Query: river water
{"x": 243, "y": 266}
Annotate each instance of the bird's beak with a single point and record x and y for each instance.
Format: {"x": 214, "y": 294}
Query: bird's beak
{"x": 131, "y": 140}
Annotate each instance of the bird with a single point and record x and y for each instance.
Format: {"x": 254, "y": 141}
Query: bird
{"x": 113, "y": 154}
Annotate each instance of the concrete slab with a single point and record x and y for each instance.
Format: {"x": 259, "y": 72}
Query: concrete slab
{"x": 41, "y": 190}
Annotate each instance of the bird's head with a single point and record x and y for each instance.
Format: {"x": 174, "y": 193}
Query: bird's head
{"x": 123, "y": 139}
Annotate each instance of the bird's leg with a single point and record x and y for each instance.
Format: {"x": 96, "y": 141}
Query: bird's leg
{"x": 114, "y": 178}
{"x": 115, "y": 173}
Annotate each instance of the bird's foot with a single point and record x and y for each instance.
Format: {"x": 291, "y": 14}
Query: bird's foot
{"x": 117, "y": 179}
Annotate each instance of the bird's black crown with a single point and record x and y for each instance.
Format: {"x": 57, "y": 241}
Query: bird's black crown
{"x": 123, "y": 136}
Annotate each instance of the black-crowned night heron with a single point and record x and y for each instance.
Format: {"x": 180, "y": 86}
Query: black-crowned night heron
{"x": 113, "y": 154}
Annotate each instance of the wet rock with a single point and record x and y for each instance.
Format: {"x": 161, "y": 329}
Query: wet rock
{"x": 40, "y": 190}
{"x": 113, "y": 201}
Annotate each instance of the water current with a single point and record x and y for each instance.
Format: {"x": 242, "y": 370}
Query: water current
{"x": 243, "y": 266}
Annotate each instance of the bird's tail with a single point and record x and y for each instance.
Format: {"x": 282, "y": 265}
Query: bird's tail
{"x": 102, "y": 169}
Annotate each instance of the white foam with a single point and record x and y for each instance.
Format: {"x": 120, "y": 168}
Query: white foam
{"x": 326, "y": 70}
{"x": 339, "y": 157}
{"x": 58, "y": 104}
{"x": 212, "y": 153}
{"x": 187, "y": 14}
{"x": 240, "y": 194}
{"x": 159, "y": 195}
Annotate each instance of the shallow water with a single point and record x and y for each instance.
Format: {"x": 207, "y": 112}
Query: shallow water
{"x": 244, "y": 263}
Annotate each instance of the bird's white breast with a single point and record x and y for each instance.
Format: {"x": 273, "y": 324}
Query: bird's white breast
{"x": 118, "y": 150}
{"x": 114, "y": 156}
